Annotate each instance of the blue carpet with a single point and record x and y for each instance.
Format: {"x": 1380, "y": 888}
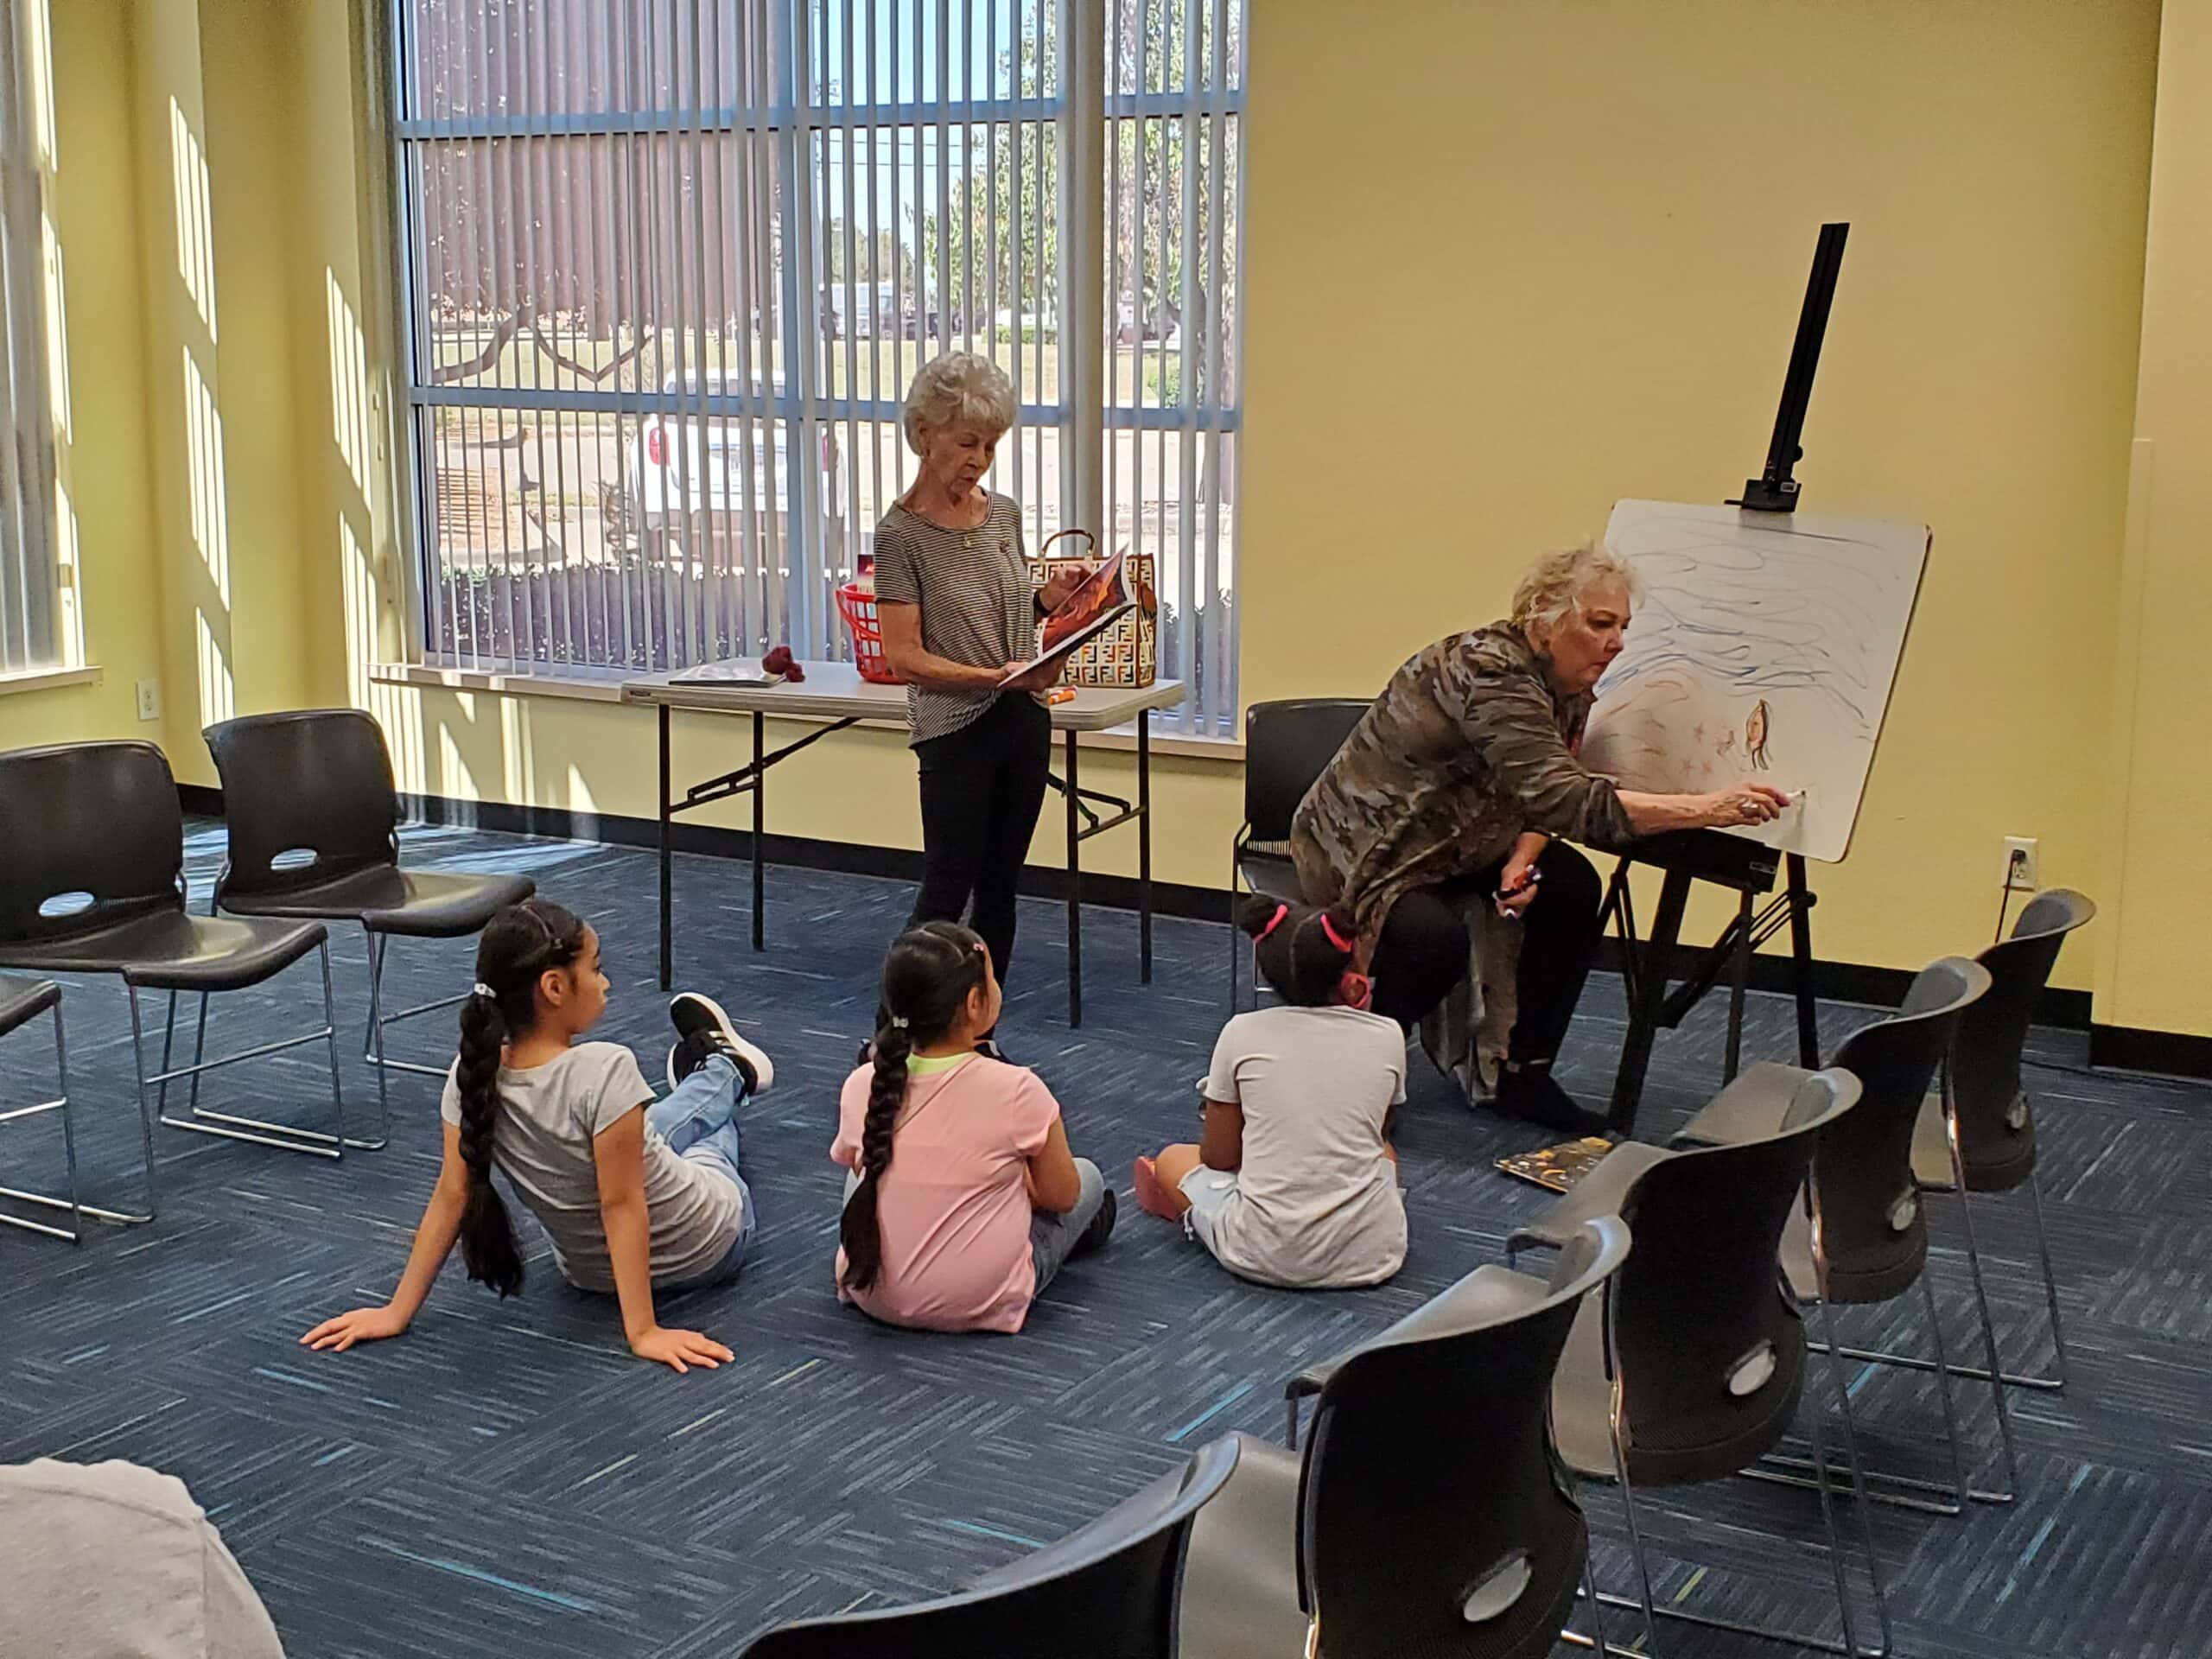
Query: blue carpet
{"x": 506, "y": 1479}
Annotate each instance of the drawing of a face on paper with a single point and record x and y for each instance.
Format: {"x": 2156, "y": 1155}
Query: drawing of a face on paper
{"x": 1765, "y": 647}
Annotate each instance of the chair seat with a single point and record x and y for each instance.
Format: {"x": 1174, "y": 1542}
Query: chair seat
{"x": 1732, "y": 1435}
{"x": 23, "y": 1000}
{"x": 385, "y": 898}
{"x": 1240, "y": 1580}
{"x": 170, "y": 951}
{"x": 1601, "y": 1193}
{"x": 1488, "y": 1294}
{"x": 1269, "y": 874}
{"x": 1750, "y": 1108}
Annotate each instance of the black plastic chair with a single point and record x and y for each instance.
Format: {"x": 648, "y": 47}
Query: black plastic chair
{"x": 1691, "y": 1366}
{"x": 101, "y": 821}
{"x": 1989, "y": 1139}
{"x": 314, "y": 822}
{"x": 1873, "y": 1229}
{"x": 22, "y": 1000}
{"x": 1109, "y": 1591}
{"x": 1430, "y": 1514}
{"x": 1288, "y": 746}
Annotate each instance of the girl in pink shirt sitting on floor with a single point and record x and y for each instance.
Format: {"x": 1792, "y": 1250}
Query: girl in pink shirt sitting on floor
{"x": 962, "y": 1199}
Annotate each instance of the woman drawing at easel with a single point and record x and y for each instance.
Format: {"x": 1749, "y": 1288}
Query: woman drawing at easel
{"x": 959, "y": 606}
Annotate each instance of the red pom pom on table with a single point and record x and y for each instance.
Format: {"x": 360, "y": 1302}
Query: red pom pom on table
{"x": 780, "y": 661}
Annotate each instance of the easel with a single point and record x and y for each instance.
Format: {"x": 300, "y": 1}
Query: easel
{"x": 1746, "y": 868}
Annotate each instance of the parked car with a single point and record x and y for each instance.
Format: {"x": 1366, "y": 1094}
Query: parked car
{"x": 684, "y": 471}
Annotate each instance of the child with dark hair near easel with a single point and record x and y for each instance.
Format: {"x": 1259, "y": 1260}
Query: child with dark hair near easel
{"x": 1293, "y": 1181}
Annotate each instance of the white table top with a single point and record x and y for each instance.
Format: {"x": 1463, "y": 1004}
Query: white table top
{"x": 836, "y": 691}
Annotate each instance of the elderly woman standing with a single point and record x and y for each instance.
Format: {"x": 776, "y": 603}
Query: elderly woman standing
{"x": 960, "y": 607}
{"x": 1462, "y": 780}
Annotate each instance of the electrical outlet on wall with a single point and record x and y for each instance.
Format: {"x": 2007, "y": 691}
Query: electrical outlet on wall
{"x": 149, "y": 699}
{"x": 2021, "y": 874}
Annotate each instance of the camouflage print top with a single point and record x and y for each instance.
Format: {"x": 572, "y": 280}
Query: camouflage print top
{"x": 1468, "y": 746}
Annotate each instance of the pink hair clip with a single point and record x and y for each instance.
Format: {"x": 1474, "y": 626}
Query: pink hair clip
{"x": 1273, "y": 921}
{"x": 1335, "y": 937}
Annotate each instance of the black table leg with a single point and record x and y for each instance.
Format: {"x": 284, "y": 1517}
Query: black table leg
{"x": 1648, "y": 994}
{"x": 667, "y": 929}
{"x": 1075, "y": 892}
{"x": 1144, "y": 848}
{"x": 1737, "y": 984}
{"x": 759, "y": 818}
{"x": 1800, "y": 953}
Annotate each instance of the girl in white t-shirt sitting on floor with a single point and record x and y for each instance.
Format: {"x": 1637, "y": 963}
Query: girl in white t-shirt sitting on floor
{"x": 636, "y": 1195}
{"x": 1295, "y": 1181}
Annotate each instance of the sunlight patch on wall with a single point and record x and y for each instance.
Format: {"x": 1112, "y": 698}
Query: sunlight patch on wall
{"x": 195, "y": 237}
{"x": 218, "y": 696}
{"x": 350, "y": 421}
{"x": 203, "y": 429}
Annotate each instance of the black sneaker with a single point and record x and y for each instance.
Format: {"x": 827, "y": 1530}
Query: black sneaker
{"x": 703, "y": 1031}
{"x": 1533, "y": 1096}
{"x": 1101, "y": 1228}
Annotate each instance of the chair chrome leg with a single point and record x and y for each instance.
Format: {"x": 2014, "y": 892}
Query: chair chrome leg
{"x": 68, "y": 1135}
{"x": 376, "y": 948}
{"x": 198, "y": 1049}
{"x": 1858, "y": 1491}
{"x": 1943, "y": 1391}
{"x": 2050, "y": 1291}
{"x": 168, "y": 1040}
{"x": 1989, "y": 1340}
{"x": 330, "y": 1045}
{"x": 138, "y": 1072}
{"x": 1597, "y": 1613}
{"x": 1635, "y": 1531}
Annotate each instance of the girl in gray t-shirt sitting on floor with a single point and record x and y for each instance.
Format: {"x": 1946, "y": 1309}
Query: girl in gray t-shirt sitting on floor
{"x": 636, "y": 1195}
{"x": 1295, "y": 1181}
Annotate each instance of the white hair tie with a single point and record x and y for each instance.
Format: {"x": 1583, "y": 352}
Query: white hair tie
{"x": 898, "y": 1022}
{"x": 480, "y": 988}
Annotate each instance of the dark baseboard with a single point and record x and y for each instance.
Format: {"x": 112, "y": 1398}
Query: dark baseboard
{"x": 800, "y": 852}
{"x": 2133, "y": 1049}
{"x": 1835, "y": 982}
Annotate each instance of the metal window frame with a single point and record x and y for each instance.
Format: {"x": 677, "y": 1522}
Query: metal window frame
{"x": 1083, "y": 113}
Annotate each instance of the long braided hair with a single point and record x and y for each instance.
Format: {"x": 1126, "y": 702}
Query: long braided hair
{"x": 521, "y": 942}
{"x": 926, "y": 979}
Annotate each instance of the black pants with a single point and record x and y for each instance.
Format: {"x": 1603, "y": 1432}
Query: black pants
{"x": 1423, "y": 951}
{"x": 982, "y": 787}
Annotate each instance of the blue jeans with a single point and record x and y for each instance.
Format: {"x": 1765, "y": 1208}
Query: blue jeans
{"x": 1051, "y": 1237}
{"x": 698, "y": 1119}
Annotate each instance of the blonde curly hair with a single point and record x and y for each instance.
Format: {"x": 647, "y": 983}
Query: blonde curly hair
{"x": 1555, "y": 584}
{"x": 960, "y": 387}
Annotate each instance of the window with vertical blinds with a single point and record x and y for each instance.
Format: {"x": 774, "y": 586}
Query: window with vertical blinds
{"x": 36, "y": 631}
{"x": 670, "y": 264}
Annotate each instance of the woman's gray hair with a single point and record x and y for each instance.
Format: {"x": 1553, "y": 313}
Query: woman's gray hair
{"x": 956, "y": 388}
{"x": 1555, "y": 585}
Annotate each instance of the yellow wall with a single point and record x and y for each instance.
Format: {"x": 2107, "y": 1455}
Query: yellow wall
{"x": 1504, "y": 265}
{"x": 2157, "y": 969}
{"x": 1509, "y": 264}
{"x": 106, "y": 497}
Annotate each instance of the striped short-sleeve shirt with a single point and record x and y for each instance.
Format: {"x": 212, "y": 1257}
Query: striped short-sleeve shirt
{"x": 977, "y": 598}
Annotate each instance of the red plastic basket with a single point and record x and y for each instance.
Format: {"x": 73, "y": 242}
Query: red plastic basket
{"x": 856, "y": 604}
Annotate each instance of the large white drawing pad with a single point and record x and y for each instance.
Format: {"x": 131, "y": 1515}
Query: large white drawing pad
{"x": 1764, "y": 648}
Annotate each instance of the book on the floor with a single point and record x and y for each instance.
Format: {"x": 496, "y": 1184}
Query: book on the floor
{"x": 1557, "y": 1168}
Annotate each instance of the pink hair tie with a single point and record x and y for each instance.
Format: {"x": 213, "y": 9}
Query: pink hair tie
{"x": 1273, "y": 921}
{"x": 1335, "y": 938}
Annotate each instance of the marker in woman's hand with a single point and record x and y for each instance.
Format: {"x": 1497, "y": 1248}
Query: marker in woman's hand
{"x": 1504, "y": 896}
